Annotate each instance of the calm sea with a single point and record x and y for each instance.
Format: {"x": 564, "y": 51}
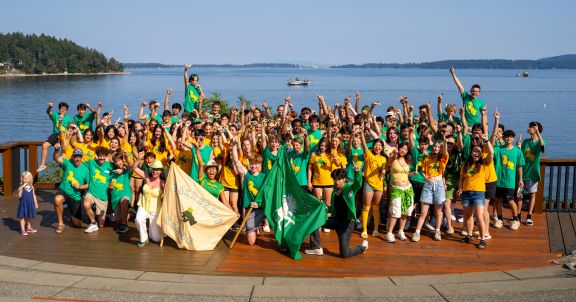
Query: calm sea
{"x": 548, "y": 96}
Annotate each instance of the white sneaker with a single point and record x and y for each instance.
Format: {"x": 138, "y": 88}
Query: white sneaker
{"x": 428, "y": 226}
{"x": 515, "y": 225}
{"x": 498, "y": 224}
{"x": 460, "y": 219}
{"x": 464, "y": 233}
{"x": 41, "y": 168}
{"x": 402, "y": 236}
{"x": 266, "y": 229}
{"x": 365, "y": 246}
{"x": 529, "y": 221}
{"x": 326, "y": 230}
{"x": 450, "y": 231}
{"x": 416, "y": 237}
{"x": 91, "y": 228}
{"x": 318, "y": 252}
{"x": 437, "y": 235}
{"x": 494, "y": 218}
{"x": 453, "y": 218}
{"x": 486, "y": 237}
{"x": 375, "y": 233}
{"x": 390, "y": 238}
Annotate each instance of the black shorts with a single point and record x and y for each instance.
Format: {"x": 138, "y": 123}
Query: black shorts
{"x": 53, "y": 139}
{"x": 490, "y": 190}
{"x": 505, "y": 193}
{"x": 230, "y": 190}
{"x": 323, "y": 187}
{"x": 74, "y": 206}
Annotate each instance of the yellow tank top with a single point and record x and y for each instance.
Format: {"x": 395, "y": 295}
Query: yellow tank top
{"x": 150, "y": 199}
{"x": 399, "y": 172}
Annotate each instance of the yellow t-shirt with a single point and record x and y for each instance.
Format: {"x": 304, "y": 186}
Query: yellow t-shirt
{"x": 88, "y": 150}
{"x": 474, "y": 180}
{"x": 373, "y": 169}
{"x": 491, "y": 171}
{"x": 227, "y": 177}
{"x": 431, "y": 167}
{"x": 67, "y": 148}
{"x": 322, "y": 166}
{"x": 184, "y": 159}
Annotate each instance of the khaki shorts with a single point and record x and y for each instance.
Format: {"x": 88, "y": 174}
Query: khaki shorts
{"x": 101, "y": 205}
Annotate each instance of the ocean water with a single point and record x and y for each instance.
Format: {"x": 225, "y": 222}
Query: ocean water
{"x": 548, "y": 96}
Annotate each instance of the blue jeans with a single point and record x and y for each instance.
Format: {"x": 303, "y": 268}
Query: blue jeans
{"x": 473, "y": 198}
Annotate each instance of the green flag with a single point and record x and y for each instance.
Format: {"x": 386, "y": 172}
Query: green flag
{"x": 292, "y": 212}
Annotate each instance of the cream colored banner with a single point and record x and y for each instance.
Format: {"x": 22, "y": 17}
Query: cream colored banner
{"x": 190, "y": 215}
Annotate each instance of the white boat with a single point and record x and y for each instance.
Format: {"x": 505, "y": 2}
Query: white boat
{"x": 299, "y": 82}
{"x": 523, "y": 74}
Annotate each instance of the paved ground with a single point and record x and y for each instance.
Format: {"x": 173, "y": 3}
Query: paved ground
{"x": 27, "y": 280}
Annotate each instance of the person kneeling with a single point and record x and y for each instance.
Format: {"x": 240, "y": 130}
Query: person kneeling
{"x": 343, "y": 215}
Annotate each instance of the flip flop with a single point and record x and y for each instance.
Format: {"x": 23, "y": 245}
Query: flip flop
{"x": 31, "y": 230}
{"x": 60, "y": 229}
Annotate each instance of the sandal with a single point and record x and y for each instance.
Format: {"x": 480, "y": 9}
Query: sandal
{"x": 60, "y": 229}
{"x": 31, "y": 230}
{"x": 23, "y": 233}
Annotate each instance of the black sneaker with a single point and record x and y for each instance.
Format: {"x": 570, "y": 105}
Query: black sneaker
{"x": 123, "y": 229}
{"x": 481, "y": 245}
{"x": 466, "y": 239}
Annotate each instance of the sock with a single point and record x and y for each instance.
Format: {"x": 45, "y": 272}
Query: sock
{"x": 365, "y": 212}
{"x": 529, "y": 216}
{"x": 376, "y": 216}
{"x": 500, "y": 217}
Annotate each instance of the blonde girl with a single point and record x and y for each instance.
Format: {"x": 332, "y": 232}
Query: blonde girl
{"x": 27, "y": 204}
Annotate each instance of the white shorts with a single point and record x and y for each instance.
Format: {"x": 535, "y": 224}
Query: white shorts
{"x": 530, "y": 186}
{"x": 396, "y": 204}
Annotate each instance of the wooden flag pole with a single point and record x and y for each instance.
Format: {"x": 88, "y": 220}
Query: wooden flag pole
{"x": 241, "y": 227}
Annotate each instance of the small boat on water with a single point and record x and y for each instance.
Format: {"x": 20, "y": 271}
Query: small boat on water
{"x": 299, "y": 82}
{"x": 523, "y": 74}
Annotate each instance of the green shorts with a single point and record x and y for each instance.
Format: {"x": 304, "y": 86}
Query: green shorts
{"x": 451, "y": 188}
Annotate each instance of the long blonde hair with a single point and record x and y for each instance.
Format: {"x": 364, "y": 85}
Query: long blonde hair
{"x": 30, "y": 177}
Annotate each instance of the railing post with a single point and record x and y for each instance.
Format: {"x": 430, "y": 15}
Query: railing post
{"x": 33, "y": 159}
{"x": 7, "y": 172}
{"x": 539, "y": 206}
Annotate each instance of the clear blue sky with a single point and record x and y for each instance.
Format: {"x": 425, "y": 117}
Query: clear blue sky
{"x": 311, "y": 32}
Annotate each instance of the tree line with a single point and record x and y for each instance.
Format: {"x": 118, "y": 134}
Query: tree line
{"x": 38, "y": 54}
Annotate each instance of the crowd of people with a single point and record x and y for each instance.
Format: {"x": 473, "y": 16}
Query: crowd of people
{"x": 417, "y": 162}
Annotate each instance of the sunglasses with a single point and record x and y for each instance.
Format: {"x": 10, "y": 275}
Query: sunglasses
{"x": 450, "y": 144}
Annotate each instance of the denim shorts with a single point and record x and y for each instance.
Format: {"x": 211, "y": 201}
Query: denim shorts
{"x": 255, "y": 219}
{"x": 433, "y": 192}
{"x": 473, "y": 198}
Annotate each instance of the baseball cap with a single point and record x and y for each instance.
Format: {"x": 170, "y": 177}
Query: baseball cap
{"x": 77, "y": 152}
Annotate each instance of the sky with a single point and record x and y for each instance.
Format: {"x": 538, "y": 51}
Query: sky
{"x": 315, "y": 32}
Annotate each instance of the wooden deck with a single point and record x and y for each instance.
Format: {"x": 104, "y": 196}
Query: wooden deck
{"x": 525, "y": 248}
{"x": 562, "y": 230}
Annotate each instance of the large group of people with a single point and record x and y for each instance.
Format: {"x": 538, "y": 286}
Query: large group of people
{"x": 419, "y": 164}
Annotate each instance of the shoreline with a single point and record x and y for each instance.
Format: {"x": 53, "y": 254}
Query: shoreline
{"x": 10, "y": 75}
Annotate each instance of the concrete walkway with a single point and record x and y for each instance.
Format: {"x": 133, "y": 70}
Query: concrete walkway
{"x": 24, "y": 280}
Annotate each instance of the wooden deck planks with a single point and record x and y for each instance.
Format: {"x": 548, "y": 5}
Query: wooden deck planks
{"x": 527, "y": 247}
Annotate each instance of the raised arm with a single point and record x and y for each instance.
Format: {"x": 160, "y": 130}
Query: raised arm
{"x": 464, "y": 122}
{"x": 186, "y": 67}
{"x": 167, "y": 99}
{"x": 141, "y": 115}
{"x": 49, "y": 109}
{"x": 357, "y": 105}
{"x": 439, "y": 105}
{"x": 488, "y": 158}
{"x": 431, "y": 119}
{"x": 456, "y": 80}
{"x": 495, "y": 128}
{"x": 99, "y": 112}
{"x": 136, "y": 165}
{"x": 239, "y": 167}
{"x": 57, "y": 158}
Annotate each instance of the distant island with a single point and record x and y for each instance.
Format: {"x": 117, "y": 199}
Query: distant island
{"x": 253, "y": 65}
{"x": 22, "y": 54}
{"x": 558, "y": 62}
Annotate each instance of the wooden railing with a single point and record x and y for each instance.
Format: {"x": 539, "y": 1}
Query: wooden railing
{"x": 557, "y": 187}
{"x": 18, "y": 157}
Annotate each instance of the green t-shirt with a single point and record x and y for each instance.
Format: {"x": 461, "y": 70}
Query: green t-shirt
{"x": 313, "y": 139}
{"x": 269, "y": 159}
{"x": 191, "y": 98}
{"x": 506, "y": 163}
{"x": 354, "y": 156}
{"x": 472, "y": 108}
{"x": 54, "y": 116}
{"x": 299, "y": 164}
{"x": 157, "y": 117}
{"x": 84, "y": 122}
{"x": 73, "y": 175}
{"x": 251, "y": 187}
{"x": 174, "y": 119}
{"x": 212, "y": 186}
{"x": 206, "y": 154}
{"x": 416, "y": 165}
{"x": 532, "y": 152}
{"x": 121, "y": 186}
{"x": 99, "y": 179}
